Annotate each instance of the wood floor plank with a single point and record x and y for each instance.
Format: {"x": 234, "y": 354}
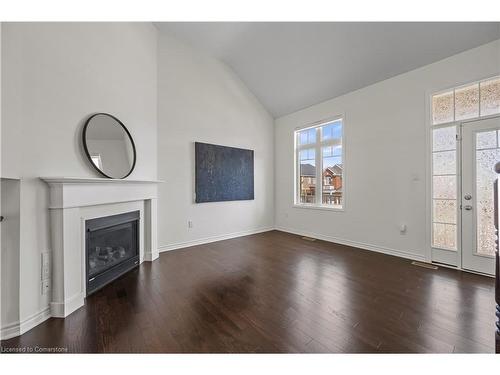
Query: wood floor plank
{"x": 276, "y": 293}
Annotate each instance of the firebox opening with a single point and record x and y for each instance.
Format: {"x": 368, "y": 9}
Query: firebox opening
{"x": 112, "y": 248}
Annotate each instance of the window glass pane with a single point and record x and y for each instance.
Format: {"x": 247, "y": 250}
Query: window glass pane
{"x": 307, "y": 154}
{"x": 327, "y": 141}
{"x": 445, "y": 236}
{"x": 332, "y": 151}
{"x": 332, "y": 177}
{"x": 444, "y": 211}
{"x": 444, "y": 139}
{"x": 490, "y": 97}
{"x": 307, "y": 176}
{"x": 444, "y": 162}
{"x": 332, "y": 131}
{"x": 444, "y": 187}
{"x": 486, "y": 139}
{"x": 467, "y": 102}
{"x": 442, "y": 108}
{"x": 307, "y": 136}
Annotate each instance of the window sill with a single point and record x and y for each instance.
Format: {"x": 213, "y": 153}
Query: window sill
{"x": 318, "y": 207}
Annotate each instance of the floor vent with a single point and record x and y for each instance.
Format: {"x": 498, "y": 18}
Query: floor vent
{"x": 425, "y": 265}
{"x": 309, "y": 239}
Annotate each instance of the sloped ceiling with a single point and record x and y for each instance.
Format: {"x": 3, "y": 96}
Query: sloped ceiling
{"x": 290, "y": 66}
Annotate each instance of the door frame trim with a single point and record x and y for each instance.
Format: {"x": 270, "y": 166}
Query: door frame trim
{"x": 428, "y": 183}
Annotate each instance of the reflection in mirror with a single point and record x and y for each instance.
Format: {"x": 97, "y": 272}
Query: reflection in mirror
{"x": 109, "y": 146}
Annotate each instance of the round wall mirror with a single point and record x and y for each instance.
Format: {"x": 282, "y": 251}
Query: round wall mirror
{"x": 109, "y": 146}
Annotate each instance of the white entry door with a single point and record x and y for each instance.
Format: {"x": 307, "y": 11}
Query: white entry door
{"x": 480, "y": 153}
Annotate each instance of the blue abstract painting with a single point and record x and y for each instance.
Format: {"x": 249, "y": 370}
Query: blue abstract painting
{"x": 223, "y": 173}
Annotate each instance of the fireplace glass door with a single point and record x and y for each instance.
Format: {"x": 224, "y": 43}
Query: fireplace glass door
{"x": 112, "y": 248}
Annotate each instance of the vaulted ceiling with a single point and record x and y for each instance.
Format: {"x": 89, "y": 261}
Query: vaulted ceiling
{"x": 290, "y": 66}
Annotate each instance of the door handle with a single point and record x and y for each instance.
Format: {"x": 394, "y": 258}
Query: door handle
{"x": 468, "y": 207}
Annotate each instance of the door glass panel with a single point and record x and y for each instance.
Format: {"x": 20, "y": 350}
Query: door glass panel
{"x": 485, "y": 176}
{"x": 486, "y": 139}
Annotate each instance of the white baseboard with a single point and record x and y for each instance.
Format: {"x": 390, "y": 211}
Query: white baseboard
{"x": 364, "y": 246}
{"x": 63, "y": 309}
{"x": 201, "y": 241}
{"x": 149, "y": 257}
{"x": 10, "y": 330}
{"x": 18, "y": 328}
{"x": 341, "y": 241}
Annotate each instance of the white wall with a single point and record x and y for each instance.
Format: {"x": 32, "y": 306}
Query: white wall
{"x": 9, "y": 247}
{"x": 54, "y": 76}
{"x": 200, "y": 99}
{"x": 386, "y": 151}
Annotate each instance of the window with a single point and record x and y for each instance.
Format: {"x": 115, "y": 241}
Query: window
{"x": 444, "y": 188}
{"x": 474, "y": 100}
{"x": 449, "y": 108}
{"x": 319, "y": 165}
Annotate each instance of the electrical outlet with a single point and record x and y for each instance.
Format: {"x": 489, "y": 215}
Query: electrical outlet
{"x": 45, "y": 286}
{"x": 45, "y": 274}
{"x": 190, "y": 224}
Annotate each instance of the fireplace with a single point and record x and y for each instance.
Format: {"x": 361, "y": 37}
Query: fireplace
{"x": 112, "y": 248}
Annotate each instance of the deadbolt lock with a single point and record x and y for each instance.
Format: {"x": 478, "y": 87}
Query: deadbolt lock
{"x": 467, "y": 197}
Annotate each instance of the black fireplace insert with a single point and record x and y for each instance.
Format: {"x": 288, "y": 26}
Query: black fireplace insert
{"x": 112, "y": 248}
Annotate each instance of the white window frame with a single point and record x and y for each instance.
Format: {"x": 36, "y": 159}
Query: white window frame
{"x": 319, "y": 165}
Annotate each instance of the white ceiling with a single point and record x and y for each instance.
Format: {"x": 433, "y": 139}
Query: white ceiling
{"x": 290, "y": 66}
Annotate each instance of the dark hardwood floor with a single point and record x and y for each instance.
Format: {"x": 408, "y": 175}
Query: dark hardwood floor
{"x": 274, "y": 292}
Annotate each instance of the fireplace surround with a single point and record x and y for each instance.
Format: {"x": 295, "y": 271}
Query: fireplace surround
{"x": 73, "y": 202}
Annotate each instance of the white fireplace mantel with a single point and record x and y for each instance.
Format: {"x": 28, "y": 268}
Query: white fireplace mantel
{"x": 73, "y": 201}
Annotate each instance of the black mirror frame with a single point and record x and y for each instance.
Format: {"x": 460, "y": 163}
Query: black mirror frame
{"x": 87, "y": 153}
